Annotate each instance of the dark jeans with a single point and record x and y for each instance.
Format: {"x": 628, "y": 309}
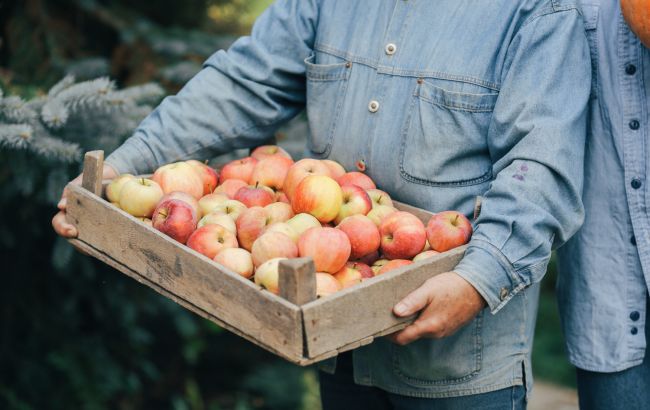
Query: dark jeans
{"x": 339, "y": 392}
{"x": 627, "y": 389}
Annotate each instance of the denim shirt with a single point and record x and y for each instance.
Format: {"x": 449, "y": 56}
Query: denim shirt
{"x": 438, "y": 103}
{"x": 605, "y": 269}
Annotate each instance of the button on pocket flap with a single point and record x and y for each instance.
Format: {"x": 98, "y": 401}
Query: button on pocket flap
{"x": 326, "y": 72}
{"x": 590, "y": 15}
{"x": 480, "y": 102}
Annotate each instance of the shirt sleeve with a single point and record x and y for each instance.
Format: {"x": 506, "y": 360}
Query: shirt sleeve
{"x": 239, "y": 98}
{"x": 537, "y": 142}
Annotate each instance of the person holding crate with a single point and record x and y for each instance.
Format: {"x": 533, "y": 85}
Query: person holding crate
{"x": 604, "y": 270}
{"x": 438, "y": 103}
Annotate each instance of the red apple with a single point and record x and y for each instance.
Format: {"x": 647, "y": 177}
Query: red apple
{"x": 210, "y": 239}
{"x": 363, "y": 234}
{"x": 236, "y": 259}
{"x": 355, "y": 202}
{"x": 229, "y": 187}
{"x": 250, "y": 225}
{"x": 447, "y": 230}
{"x": 182, "y": 196}
{"x": 179, "y": 176}
{"x": 279, "y": 212}
{"x": 257, "y": 195}
{"x": 402, "y": 235}
{"x": 218, "y": 218}
{"x": 301, "y": 170}
{"x": 208, "y": 175}
{"x": 379, "y": 212}
{"x": 273, "y": 245}
{"x": 175, "y": 218}
{"x": 336, "y": 169}
{"x": 357, "y": 178}
{"x": 266, "y": 151}
{"x": 326, "y": 284}
{"x": 328, "y": 247}
{"x": 271, "y": 172}
{"x": 115, "y": 186}
{"x": 267, "y": 275}
{"x": 353, "y": 273}
{"x": 394, "y": 264}
{"x": 379, "y": 197}
{"x": 319, "y": 196}
{"x": 425, "y": 255}
{"x": 241, "y": 169}
{"x": 139, "y": 197}
{"x": 211, "y": 201}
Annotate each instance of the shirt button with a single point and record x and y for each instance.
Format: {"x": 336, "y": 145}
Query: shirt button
{"x": 636, "y": 183}
{"x": 634, "y": 330}
{"x": 390, "y": 49}
{"x": 504, "y": 293}
{"x": 373, "y": 106}
{"x": 361, "y": 165}
{"x": 635, "y": 316}
{"x": 630, "y": 69}
{"x": 634, "y": 125}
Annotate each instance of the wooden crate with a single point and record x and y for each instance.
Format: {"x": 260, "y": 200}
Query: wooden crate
{"x": 295, "y": 325}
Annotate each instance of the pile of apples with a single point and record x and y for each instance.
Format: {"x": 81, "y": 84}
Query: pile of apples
{"x": 265, "y": 208}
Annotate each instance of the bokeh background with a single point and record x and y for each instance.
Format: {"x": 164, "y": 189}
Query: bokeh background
{"x": 77, "y": 75}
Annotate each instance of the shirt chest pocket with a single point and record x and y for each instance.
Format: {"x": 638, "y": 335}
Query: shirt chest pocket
{"x": 444, "y": 139}
{"x": 326, "y": 88}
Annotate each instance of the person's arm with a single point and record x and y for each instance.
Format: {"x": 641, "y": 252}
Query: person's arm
{"x": 239, "y": 98}
{"x": 536, "y": 140}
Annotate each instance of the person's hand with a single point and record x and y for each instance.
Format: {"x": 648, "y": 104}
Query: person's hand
{"x": 59, "y": 222}
{"x": 446, "y": 301}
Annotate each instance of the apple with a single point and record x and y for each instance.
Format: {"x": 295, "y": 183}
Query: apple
{"x": 257, "y": 195}
{"x": 363, "y": 235}
{"x": 319, "y": 196}
{"x": 328, "y": 247}
{"x": 379, "y": 197}
{"x": 301, "y": 222}
{"x": 182, "y": 196}
{"x": 326, "y": 284}
{"x": 281, "y": 197}
{"x": 271, "y": 172}
{"x": 139, "y": 197}
{"x": 115, "y": 186}
{"x": 447, "y": 230}
{"x": 229, "y": 187}
{"x": 336, "y": 169}
{"x": 301, "y": 170}
{"x": 378, "y": 264}
{"x": 179, "y": 176}
{"x": 370, "y": 258}
{"x": 230, "y": 207}
{"x": 394, "y": 264}
{"x": 425, "y": 255}
{"x": 402, "y": 235}
{"x": 279, "y": 212}
{"x": 209, "y": 176}
{"x": 250, "y": 225}
{"x": 273, "y": 245}
{"x": 353, "y": 273}
{"x": 282, "y": 227}
{"x": 210, "y": 201}
{"x": 219, "y": 218}
{"x": 267, "y": 275}
{"x": 357, "y": 178}
{"x": 175, "y": 218}
{"x": 379, "y": 212}
{"x": 266, "y": 151}
{"x": 241, "y": 169}
{"x": 237, "y": 260}
{"x": 355, "y": 202}
{"x": 210, "y": 239}
{"x": 146, "y": 221}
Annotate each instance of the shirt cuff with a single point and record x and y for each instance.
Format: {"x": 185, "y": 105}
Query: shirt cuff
{"x": 133, "y": 157}
{"x": 490, "y": 272}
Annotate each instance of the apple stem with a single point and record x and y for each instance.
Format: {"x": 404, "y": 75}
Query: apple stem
{"x": 455, "y": 223}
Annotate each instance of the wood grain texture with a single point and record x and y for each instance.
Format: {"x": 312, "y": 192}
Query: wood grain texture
{"x": 184, "y": 275}
{"x": 366, "y": 310}
{"x": 93, "y": 172}
{"x": 297, "y": 280}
